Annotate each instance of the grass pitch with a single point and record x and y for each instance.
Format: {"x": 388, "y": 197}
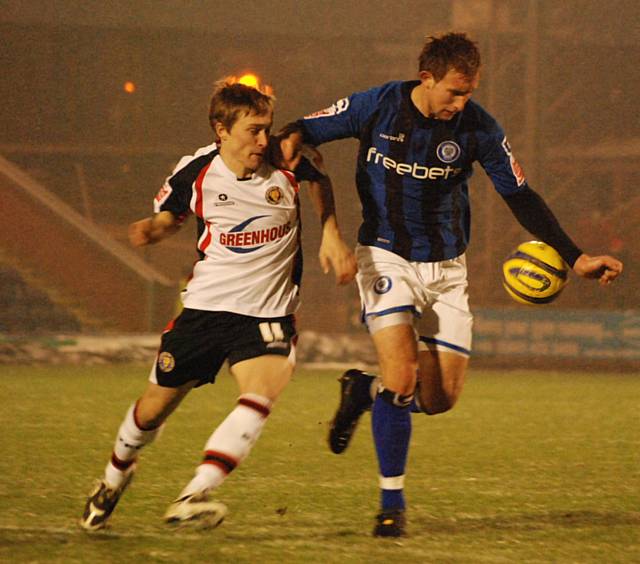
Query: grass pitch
{"x": 529, "y": 467}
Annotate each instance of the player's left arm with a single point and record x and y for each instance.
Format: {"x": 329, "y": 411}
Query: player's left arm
{"x": 285, "y": 147}
{"x": 334, "y": 252}
{"x": 534, "y": 215}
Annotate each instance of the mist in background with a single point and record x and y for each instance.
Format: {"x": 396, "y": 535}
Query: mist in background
{"x": 560, "y": 77}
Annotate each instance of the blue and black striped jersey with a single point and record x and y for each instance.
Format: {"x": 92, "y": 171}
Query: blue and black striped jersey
{"x": 412, "y": 171}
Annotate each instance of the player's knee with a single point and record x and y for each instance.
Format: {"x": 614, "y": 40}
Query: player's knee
{"x": 400, "y": 378}
{"x": 149, "y": 422}
{"x": 150, "y": 415}
{"x": 439, "y": 401}
{"x": 439, "y": 405}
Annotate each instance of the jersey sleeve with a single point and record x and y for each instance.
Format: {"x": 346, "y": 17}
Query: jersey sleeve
{"x": 341, "y": 120}
{"x": 498, "y": 161}
{"x": 176, "y": 193}
{"x": 311, "y": 167}
{"x": 528, "y": 207}
{"x": 534, "y": 215}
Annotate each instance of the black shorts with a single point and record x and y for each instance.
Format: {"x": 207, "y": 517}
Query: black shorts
{"x": 195, "y": 344}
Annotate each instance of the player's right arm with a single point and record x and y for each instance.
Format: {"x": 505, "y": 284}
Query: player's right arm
{"x": 152, "y": 229}
{"x": 343, "y": 119}
{"x": 171, "y": 205}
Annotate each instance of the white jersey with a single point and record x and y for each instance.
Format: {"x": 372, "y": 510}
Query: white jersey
{"x": 248, "y": 235}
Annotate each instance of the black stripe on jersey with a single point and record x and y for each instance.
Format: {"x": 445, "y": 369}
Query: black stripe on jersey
{"x": 200, "y": 226}
{"x": 298, "y": 261}
{"x": 457, "y": 221}
{"x": 438, "y": 193}
{"x": 182, "y": 183}
{"x": 460, "y": 192}
{"x": 369, "y": 228}
{"x": 402, "y": 241}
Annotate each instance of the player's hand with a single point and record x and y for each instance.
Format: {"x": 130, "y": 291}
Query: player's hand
{"x": 140, "y": 232}
{"x": 285, "y": 149}
{"x": 603, "y": 268}
{"x": 334, "y": 253}
{"x": 152, "y": 229}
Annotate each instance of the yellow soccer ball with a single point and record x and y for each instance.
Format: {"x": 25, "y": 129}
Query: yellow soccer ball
{"x": 534, "y": 273}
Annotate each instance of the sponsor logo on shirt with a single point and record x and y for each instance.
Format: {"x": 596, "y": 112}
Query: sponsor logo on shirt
{"x": 415, "y": 170}
{"x": 224, "y": 201}
{"x": 333, "y": 110}
{"x": 515, "y": 165}
{"x": 398, "y": 138}
{"x": 239, "y": 239}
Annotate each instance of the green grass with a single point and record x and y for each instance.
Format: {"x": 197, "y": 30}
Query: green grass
{"x": 529, "y": 467}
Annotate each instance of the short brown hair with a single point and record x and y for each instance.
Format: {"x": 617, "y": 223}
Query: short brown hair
{"x": 443, "y": 53}
{"x": 231, "y": 100}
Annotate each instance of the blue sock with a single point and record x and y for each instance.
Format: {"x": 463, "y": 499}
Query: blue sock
{"x": 391, "y": 426}
{"x": 415, "y": 406}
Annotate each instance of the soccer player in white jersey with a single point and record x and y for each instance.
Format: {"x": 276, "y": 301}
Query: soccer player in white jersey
{"x": 238, "y": 304}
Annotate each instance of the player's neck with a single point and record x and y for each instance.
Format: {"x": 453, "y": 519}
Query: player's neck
{"x": 235, "y": 166}
{"x": 421, "y": 102}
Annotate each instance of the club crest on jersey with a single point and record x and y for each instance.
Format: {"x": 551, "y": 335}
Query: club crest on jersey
{"x": 333, "y": 110}
{"x": 166, "y": 362}
{"x": 448, "y": 151}
{"x": 515, "y": 165}
{"x": 239, "y": 239}
{"x": 273, "y": 195}
{"x": 382, "y": 285}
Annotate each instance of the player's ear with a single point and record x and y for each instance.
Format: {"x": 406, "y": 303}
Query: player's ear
{"x": 221, "y": 131}
{"x": 427, "y": 79}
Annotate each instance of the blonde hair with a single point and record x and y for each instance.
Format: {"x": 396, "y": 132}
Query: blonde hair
{"x": 232, "y": 100}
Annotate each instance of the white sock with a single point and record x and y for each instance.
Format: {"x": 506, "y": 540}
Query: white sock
{"x": 230, "y": 443}
{"x": 131, "y": 438}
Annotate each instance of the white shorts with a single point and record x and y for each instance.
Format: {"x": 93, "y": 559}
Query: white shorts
{"x": 432, "y": 296}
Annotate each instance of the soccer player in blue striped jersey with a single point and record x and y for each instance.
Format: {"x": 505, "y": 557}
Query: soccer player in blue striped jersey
{"x": 418, "y": 142}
